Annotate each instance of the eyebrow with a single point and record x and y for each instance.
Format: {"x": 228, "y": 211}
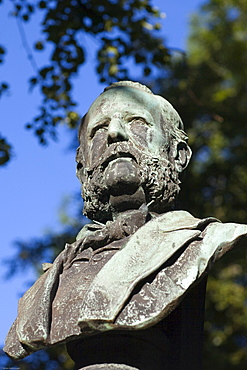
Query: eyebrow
{"x": 135, "y": 113}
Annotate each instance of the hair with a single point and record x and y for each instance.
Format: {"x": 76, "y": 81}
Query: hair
{"x": 136, "y": 85}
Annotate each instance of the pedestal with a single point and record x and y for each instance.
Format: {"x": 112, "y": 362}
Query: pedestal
{"x": 175, "y": 343}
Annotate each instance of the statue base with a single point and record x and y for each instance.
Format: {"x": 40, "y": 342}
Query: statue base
{"x": 109, "y": 367}
{"x": 174, "y": 343}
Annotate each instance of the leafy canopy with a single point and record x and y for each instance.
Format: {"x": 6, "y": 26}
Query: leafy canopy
{"x": 124, "y": 31}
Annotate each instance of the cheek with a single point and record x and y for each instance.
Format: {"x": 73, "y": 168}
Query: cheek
{"x": 156, "y": 140}
{"x": 147, "y": 138}
{"x": 140, "y": 134}
{"x": 98, "y": 145}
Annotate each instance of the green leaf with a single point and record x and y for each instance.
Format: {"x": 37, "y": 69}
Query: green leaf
{"x": 42, "y": 4}
{"x": 5, "y": 151}
{"x": 39, "y": 45}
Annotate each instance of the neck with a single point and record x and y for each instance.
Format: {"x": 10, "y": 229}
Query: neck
{"x": 126, "y": 202}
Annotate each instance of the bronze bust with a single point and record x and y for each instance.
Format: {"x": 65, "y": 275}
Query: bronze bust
{"x": 128, "y": 270}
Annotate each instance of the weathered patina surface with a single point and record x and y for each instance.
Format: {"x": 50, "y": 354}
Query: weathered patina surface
{"x": 133, "y": 267}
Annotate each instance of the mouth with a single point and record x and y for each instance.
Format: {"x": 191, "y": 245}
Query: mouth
{"x": 118, "y": 155}
{"x": 115, "y": 151}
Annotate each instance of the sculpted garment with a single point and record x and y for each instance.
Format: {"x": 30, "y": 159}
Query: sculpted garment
{"x": 129, "y": 283}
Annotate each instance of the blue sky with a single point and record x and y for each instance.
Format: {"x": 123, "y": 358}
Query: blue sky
{"x": 38, "y": 178}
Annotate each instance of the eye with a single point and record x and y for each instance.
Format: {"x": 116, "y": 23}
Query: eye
{"x": 139, "y": 120}
{"x": 97, "y": 128}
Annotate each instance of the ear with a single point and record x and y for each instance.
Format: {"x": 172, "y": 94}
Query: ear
{"x": 180, "y": 154}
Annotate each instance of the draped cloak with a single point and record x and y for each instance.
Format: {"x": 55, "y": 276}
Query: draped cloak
{"x": 131, "y": 283}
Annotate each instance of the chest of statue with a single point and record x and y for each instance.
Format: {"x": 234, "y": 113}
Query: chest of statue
{"x": 73, "y": 283}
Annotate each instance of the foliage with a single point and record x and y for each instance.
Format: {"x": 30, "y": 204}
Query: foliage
{"x": 208, "y": 88}
{"x": 3, "y": 85}
{"x": 124, "y": 31}
{"x": 5, "y": 150}
{"x": 5, "y": 147}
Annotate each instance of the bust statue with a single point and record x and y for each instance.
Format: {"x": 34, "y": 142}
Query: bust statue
{"x": 139, "y": 260}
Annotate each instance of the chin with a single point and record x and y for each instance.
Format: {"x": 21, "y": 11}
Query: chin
{"x": 125, "y": 202}
{"x": 122, "y": 176}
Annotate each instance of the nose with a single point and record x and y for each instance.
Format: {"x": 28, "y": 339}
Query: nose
{"x": 116, "y": 131}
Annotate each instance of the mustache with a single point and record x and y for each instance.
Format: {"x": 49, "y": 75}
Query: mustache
{"x": 117, "y": 150}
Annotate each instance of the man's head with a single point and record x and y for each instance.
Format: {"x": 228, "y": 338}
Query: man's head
{"x": 132, "y": 149}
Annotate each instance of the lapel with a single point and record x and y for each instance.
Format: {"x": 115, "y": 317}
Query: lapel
{"x": 145, "y": 252}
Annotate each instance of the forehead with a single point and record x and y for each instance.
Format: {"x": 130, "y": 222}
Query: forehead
{"x": 124, "y": 99}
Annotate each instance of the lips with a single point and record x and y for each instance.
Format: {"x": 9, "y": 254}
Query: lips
{"x": 114, "y": 151}
{"x": 117, "y": 156}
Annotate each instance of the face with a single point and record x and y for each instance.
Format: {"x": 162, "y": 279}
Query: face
{"x": 122, "y": 115}
{"x": 123, "y": 155}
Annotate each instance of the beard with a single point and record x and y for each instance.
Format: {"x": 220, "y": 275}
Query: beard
{"x": 157, "y": 177}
